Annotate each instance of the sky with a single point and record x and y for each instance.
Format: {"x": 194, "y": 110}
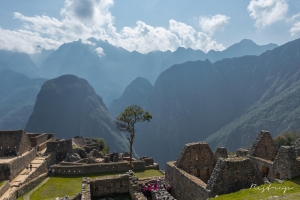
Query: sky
{"x": 146, "y": 25}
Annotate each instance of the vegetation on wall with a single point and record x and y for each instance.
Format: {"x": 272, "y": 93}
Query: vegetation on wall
{"x": 101, "y": 144}
{"x": 286, "y": 138}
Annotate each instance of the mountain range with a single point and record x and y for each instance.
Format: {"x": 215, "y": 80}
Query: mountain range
{"x": 223, "y": 97}
{"x": 18, "y": 95}
{"x": 111, "y": 70}
{"x": 225, "y": 103}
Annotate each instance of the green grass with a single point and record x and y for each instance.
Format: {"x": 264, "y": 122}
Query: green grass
{"x": 276, "y": 189}
{"x": 62, "y": 185}
{"x": 1, "y": 183}
{"x": 148, "y": 173}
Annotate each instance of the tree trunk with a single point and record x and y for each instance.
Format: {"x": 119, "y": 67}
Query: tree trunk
{"x": 131, "y": 144}
{"x": 131, "y": 166}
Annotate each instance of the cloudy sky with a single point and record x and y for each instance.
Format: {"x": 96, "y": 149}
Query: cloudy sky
{"x": 147, "y": 25}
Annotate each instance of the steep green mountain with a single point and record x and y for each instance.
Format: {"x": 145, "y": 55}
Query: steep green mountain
{"x": 227, "y": 102}
{"x": 135, "y": 93}
{"x": 18, "y": 94}
{"x": 116, "y": 67}
{"x": 19, "y": 62}
{"x": 277, "y": 110}
{"x": 69, "y": 106}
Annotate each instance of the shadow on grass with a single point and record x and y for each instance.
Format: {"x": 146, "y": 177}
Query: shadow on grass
{"x": 296, "y": 180}
{"x": 139, "y": 174}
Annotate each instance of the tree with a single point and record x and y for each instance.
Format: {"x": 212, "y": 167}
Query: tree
{"x": 126, "y": 120}
{"x": 286, "y": 139}
{"x": 101, "y": 144}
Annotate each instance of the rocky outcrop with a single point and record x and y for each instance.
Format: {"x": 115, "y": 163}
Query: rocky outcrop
{"x": 72, "y": 157}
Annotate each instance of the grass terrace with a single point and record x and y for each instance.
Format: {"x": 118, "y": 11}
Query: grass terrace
{"x": 289, "y": 189}
{"x": 62, "y": 185}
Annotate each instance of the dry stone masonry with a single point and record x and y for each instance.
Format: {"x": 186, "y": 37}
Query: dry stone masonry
{"x": 197, "y": 159}
{"x": 200, "y": 174}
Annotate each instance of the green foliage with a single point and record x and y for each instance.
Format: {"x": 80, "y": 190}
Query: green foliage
{"x": 126, "y": 120}
{"x": 286, "y": 139}
{"x": 148, "y": 173}
{"x": 130, "y": 116}
{"x": 101, "y": 143}
{"x": 1, "y": 183}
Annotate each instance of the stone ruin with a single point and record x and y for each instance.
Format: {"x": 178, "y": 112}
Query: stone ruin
{"x": 59, "y": 155}
{"x": 18, "y": 149}
{"x": 198, "y": 173}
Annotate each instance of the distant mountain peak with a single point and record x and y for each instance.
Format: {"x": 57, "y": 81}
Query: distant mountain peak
{"x": 67, "y": 106}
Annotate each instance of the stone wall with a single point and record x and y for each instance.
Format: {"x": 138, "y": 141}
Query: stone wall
{"x": 297, "y": 147}
{"x": 38, "y": 171}
{"x": 16, "y": 141}
{"x": 111, "y": 185}
{"x": 51, "y": 159}
{"x": 18, "y": 164}
{"x": 97, "y": 168}
{"x": 148, "y": 161}
{"x": 197, "y": 159}
{"x": 242, "y": 152}
{"x": 286, "y": 164}
{"x": 60, "y": 146}
{"x": 76, "y": 197}
{"x": 43, "y": 145}
{"x": 37, "y": 139}
{"x": 233, "y": 174}
{"x": 264, "y": 146}
{"x": 221, "y": 152}
{"x": 262, "y": 166}
{"x": 154, "y": 166}
{"x": 9, "y": 171}
{"x": 4, "y": 188}
{"x": 27, "y": 187}
{"x": 4, "y": 171}
{"x": 185, "y": 185}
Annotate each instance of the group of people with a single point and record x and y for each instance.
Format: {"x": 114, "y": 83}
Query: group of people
{"x": 11, "y": 153}
{"x": 147, "y": 188}
{"x": 29, "y": 167}
{"x": 51, "y": 172}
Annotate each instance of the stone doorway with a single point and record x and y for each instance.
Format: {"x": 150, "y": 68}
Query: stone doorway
{"x": 277, "y": 175}
{"x": 264, "y": 171}
{"x": 205, "y": 175}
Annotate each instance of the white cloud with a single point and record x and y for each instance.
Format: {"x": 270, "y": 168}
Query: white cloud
{"x": 185, "y": 32}
{"x": 267, "y": 12}
{"x": 91, "y": 12}
{"x": 212, "y": 24}
{"x": 100, "y": 52}
{"x": 92, "y": 18}
{"x": 295, "y": 30}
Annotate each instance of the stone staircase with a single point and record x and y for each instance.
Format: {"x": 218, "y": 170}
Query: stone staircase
{"x": 24, "y": 176}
